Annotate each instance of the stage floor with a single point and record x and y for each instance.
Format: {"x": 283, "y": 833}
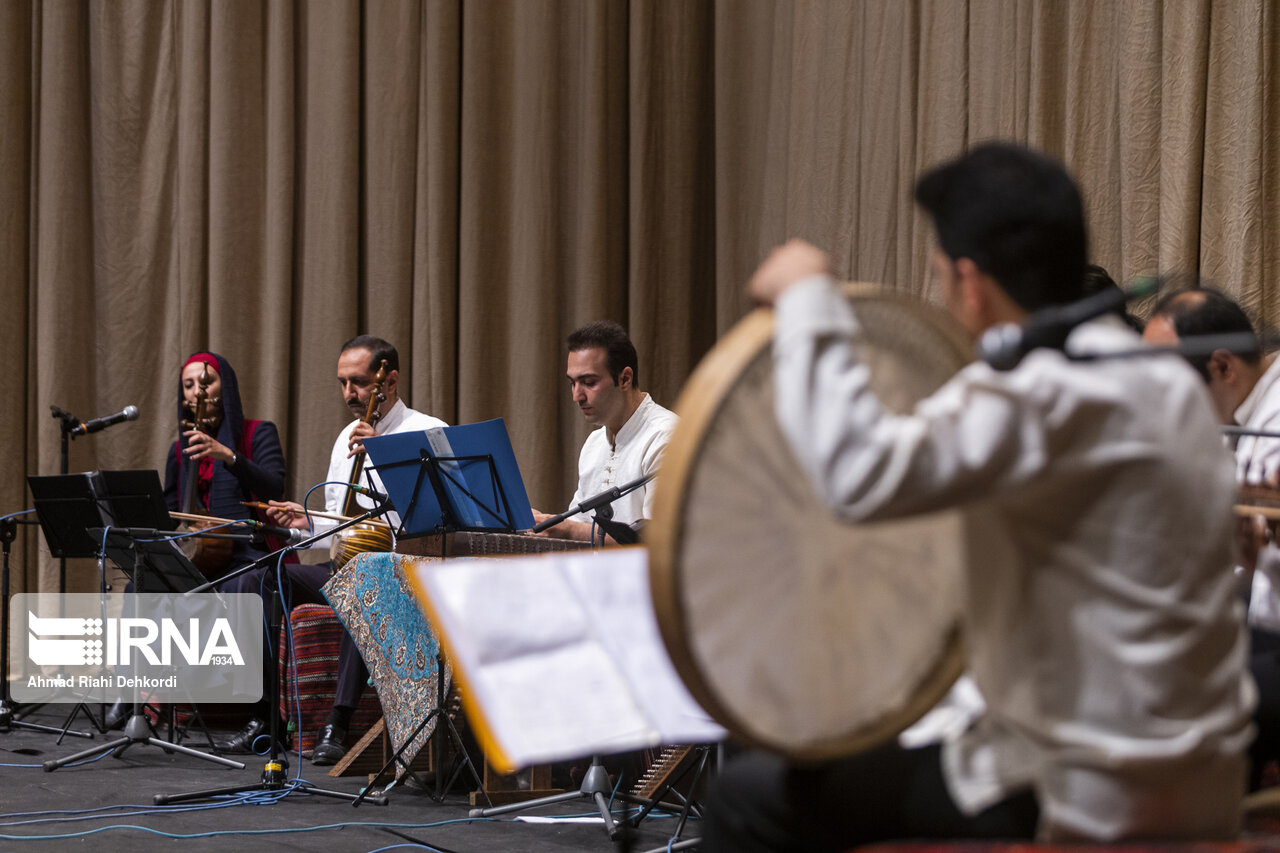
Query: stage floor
{"x": 106, "y": 804}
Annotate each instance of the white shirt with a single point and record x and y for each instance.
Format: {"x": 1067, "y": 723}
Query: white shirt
{"x": 1101, "y": 620}
{"x": 1258, "y": 458}
{"x": 636, "y": 451}
{"x": 400, "y": 418}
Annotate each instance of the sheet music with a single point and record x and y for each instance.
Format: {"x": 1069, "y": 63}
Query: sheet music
{"x": 620, "y": 607}
{"x": 560, "y": 654}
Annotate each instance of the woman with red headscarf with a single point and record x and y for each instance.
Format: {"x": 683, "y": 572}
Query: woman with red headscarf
{"x": 234, "y": 459}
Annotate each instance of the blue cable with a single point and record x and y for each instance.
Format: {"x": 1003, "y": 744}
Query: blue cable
{"x": 143, "y": 811}
{"x": 78, "y": 811}
{"x": 292, "y": 662}
{"x": 614, "y": 792}
{"x": 227, "y": 832}
{"x": 286, "y": 605}
{"x": 272, "y": 642}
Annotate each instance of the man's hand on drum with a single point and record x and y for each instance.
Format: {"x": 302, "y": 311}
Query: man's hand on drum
{"x": 355, "y": 443}
{"x": 287, "y": 514}
{"x": 787, "y": 264}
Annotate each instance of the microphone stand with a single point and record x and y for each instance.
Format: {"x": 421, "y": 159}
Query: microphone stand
{"x": 273, "y": 772}
{"x": 67, "y": 423}
{"x": 602, "y": 506}
{"x": 1256, "y": 433}
{"x": 1192, "y": 346}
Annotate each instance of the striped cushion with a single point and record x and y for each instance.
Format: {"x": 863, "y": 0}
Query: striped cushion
{"x": 316, "y": 635}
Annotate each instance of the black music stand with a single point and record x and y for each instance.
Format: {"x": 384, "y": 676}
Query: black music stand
{"x": 101, "y": 501}
{"x": 495, "y": 515}
{"x": 176, "y": 574}
{"x": 69, "y": 505}
{"x": 595, "y": 788}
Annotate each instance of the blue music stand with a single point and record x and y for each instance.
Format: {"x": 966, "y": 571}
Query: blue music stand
{"x": 450, "y": 479}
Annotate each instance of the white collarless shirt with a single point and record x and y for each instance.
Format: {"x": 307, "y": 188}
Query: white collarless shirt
{"x": 636, "y": 451}
{"x": 1101, "y": 621}
{"x": 400, "y": 418}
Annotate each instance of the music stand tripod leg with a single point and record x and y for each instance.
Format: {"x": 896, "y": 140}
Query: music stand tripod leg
{"x": 394, "y": 759}
{"x": 463, "y": 762}
{"x": 100, "y": 726}
{"x": 687, "y": 803}
{"x": 595, "y": 788}
{"x": 445, "y": 731}
{"x": 71, "y": 717}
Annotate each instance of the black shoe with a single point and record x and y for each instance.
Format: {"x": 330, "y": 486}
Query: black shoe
{"x": 415, "y": 781}
{"x": 330, "y": 746}
{"x": 253, "y": 739}
{"x": 117, "y": 715}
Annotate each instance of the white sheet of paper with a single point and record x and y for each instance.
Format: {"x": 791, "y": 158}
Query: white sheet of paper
{"x": 562, "y": 654}
{"x": 620, "y": 607}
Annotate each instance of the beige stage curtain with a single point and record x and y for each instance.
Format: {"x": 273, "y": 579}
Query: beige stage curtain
{"x": 472, "y": 179}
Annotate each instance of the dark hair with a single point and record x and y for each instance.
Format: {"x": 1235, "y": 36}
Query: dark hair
{"x": 1204, "y": 311}
{"x": 620, "y": 353}
{"x": 1017, "y": 215}
{"x": 379, "y": 348}
{"x": 1098, "y": 280}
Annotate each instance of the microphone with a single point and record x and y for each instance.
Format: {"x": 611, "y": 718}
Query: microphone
{"x": 370, "y": 493}
{"x": 1005, "y": 345}
{"x": 602, "y": 501}
{"x": 291, "y": 535}
{"x": 130, "y": 413}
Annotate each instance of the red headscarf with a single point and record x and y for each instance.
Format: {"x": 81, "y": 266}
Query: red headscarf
{"x": 203, "y": 357}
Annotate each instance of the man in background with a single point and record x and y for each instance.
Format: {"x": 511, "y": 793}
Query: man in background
{"x": 1245, "y": 387}
{"x": 603, "y": 372}
{"x": 358, "y": 363}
